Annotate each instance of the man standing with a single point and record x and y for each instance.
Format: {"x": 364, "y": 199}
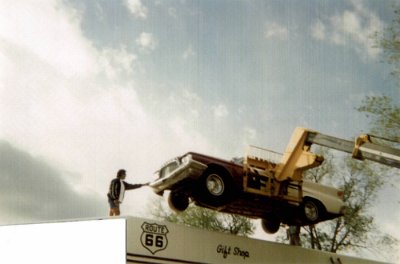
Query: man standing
{"x": 117, "y": 191}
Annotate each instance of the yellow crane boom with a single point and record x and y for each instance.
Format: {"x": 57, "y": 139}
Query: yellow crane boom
{"x": 298, "y": 157}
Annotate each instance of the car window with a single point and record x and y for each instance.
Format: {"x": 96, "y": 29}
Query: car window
{"x": 238, "y": 160}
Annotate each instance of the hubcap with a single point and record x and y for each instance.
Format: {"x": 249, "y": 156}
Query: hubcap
{"x": 311, "y": 211}
{"x": 215, "y": 184}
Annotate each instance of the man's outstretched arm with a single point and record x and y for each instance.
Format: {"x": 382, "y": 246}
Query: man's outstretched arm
{"x": 129, "y": 186}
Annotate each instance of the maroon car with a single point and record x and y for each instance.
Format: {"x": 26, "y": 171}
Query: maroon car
{"x": 223, "y": 185}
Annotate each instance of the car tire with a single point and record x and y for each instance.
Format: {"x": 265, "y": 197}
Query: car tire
{"x": 313, "y": 210}
{"x": 216, "y": 187}
{"x": 178, "y": 202}
{"x": 270, "y": 225}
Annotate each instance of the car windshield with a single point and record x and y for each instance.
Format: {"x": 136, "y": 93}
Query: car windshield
{"x": 168, "y": 168}
{"x": 238, "y": 160}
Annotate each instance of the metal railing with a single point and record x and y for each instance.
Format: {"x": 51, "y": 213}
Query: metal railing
{"x": 263, "y": 154}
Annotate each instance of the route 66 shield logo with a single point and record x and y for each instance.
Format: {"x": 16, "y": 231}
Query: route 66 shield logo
{"x": 154, "y": 237}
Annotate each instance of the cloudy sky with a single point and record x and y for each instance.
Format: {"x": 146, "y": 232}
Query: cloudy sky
{"x": 89, "y": 87}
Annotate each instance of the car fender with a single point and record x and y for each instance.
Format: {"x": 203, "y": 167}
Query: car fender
{"x": 326, "y": 195}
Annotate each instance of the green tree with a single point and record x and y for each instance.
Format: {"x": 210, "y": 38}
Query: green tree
{"x": 384, "y": 116}
{"x": 388, "y": 41}
{"x": 203, "y": 218}
{"x": 383, "y": 113}
{"x": 360, "y": 186}
{"x": 361, "y": 181}
{"x": 356, "y": 230}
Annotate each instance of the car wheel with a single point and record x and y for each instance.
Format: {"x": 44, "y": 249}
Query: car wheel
{"x": 270, "y": 225}
{"x": 215, "y": 187}
{"x": 215, "y": 184}
{"x": 178, "y": 202}
{"x": 312, "y": 210}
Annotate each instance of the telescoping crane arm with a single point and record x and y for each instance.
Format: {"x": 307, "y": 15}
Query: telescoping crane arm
{"x": 298, "y": 157}
{"x": 363, "y": 148}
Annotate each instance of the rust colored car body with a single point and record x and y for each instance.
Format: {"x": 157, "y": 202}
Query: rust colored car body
{"x": 218, "y": 184}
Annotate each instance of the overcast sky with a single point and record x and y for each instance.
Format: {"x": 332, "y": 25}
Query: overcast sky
{"x": 89, "y": 87}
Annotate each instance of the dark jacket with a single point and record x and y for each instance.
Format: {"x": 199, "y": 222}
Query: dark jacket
{"x": 116, "y": 192}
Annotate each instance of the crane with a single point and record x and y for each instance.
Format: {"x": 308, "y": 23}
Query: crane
{"x": 298, "y": 157}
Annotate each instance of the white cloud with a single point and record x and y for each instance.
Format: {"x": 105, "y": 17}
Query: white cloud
{"x": 275, "y": 30}
{"x": 189, "y": 52}
{"x": 249, "y": 133}
{"x": 185, "y": 141}
{"x": 352, "y": 28}
{"x": 338, "y": 39}
{"x": 75, "y": 105}
{"x": 116, "y": 62}
{"x": 172, "y": 12}
{"x": 190, "y": 98}
{"x": 220, "y": 111}
{"x": 318, "y": 30}
{"x": 137, "y": 8}
{"x": 25, "y": 27}
{"x": 146, "y": 41}
{"x": 185, "y": 101}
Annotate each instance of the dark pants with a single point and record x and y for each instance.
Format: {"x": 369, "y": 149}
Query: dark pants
{"x": 114, "y": 207}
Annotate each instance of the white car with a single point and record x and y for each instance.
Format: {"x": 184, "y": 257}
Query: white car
{"x": 219, "y": 184}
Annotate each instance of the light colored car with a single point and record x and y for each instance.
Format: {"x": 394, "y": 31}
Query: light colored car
{"x": 218, "y": 184}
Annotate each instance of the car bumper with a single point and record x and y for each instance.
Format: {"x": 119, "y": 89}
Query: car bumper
{"x": 190, "y": 169}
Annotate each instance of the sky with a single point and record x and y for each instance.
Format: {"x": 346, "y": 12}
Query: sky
{"x": 89, "y": 87}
